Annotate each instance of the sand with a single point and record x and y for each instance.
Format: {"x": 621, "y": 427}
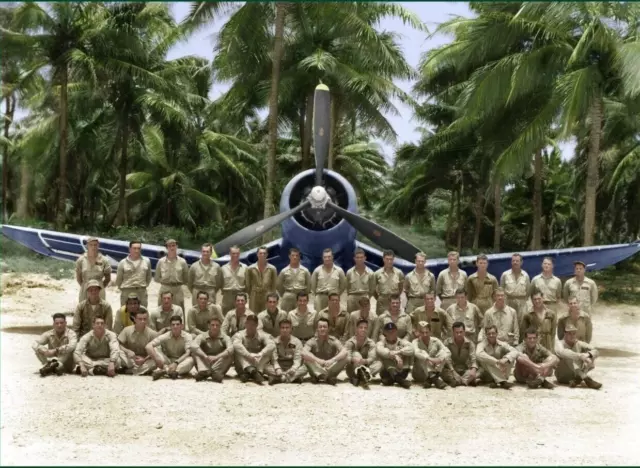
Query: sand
{"x": 133, "y": 421}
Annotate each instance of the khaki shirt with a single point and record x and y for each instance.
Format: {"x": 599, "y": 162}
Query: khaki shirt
{"x": 303, "y": 326}
{"x": 355, "y": 317}
{"x": 269, "y": 323}
{"x": 261, "y": 282}
{"x": 159, "y": 318}
{"x": 463, "y": 357}
{"x": 586, "y": 292}
{"x": 498, "y": 351}
{"x": 132, "y": 274}
{"x": 384, "y": 348}
{"x": 65, "y": 343}
{"x": 337, "y": 325}
{"x": 233, "y": 323}
{"x": 572, "y": 353}
{"x": 550, "y": 288}
{"x": 538, "y": 354}
{"x": 172, "y": 272}
{"x": 212, "y": 346}
{"x": 203, "y": 276}
{"x": 416, "y": 285}
{"x": 100, "y": 270}
{"x": 96, "y": 348}
{"x": 470, "y": 316}
{"x": 367, "y": 349}
{"x": 435, "y": 349}
{"x": 402, "y": 321}
{"x": 546, "y": 326}
{"x": 481, "y": 289}
{"x": 198, "y": 320}
{"x": 515, "y": 287}
{"x": 289, "y": 353}
{"x": 294, "y": 281}
{"x": 245, "y": 345}
{"x": 440, "y": 321}
{"x": 234, "y": 280}
{"x": 323, "y": 349}
{"x": 447, "y": 284}
{"x": 582, "y": 323}
{"x": 136, "y": 341}
{"x": 388, "y": 283}
{"x": 84, "y": 314}
{"x": 123, "y": 318}
{"x": 361, "y": 283}
{"x": 325, "y": 283}
{"x": 506, "y": 321}
{"x": 172, "y": 347}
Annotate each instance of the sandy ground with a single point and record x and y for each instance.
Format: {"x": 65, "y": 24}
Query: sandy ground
{"x": 133, "y": 421}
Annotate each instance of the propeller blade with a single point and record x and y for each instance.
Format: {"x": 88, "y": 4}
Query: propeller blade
{"x": 381, "y": 236}
{"x": 255, "y": 230}
{"x": 321, "y": 128}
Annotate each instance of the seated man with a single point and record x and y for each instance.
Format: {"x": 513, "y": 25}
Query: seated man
{"x": 504, "y": 318}
{"x": 133, "y": 343}
{"x": 286, "y": 361}
{"x": 213, "y": 352}
{"x": 496, "y": 359}
{"x": 438, "y": 319}
{"x": 462, "y": 368}
{"x": 171, "y": 351}
{"x": 127, "y": 313}
{"x": 86, "y": 310}
{"x": 363, "y": 313}
{"x": 270, "y": 318}
{"x": 396, "y": 355}
{"x": 160, "y": 319}
{"x": 303, "y": 320}
{"x": 98, "y": 352}
{"x": 235, "y": 319}
{"x": 362, "y": 363}
{"x": 55, "y": 347}
{"x": 430, "y": 356}
{"x": 253, "y": 350}
{"x": 336, "y": 316}
{"x": 535, "y": 362}
{"x": 577, "y": 359}
{"x": 199, "y": 315}
{"x": 324, "y": 355}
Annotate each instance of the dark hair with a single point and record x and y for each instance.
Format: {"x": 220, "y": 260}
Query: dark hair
{"x": 302, "y": 294}
{"x": 213, "y": 319}
{"x": 364, "y": 300}
{"x": 175, "y": 318}
{"x": 359, "y": 251}
{"x": 394, "y": 297}
{"x": 388, "y": 253}
{"x": 140, "y": 312}
{"x": 362, "y": 321}
{"x": 274, "y": 295}
{"x": 490, "y": 327}
{"x": 285, "y": 322}
{"x": 59, "y": 315}
{"x": 322, "y": 319}
{"x": 98, "y": 317}
{"x": 251, "y": 318}
{"x": 331, "y": 294}
{"x": 531, "y": 331}
{"x": 203, "y": 292}
{"x": 243, "y": 295}
{"x": 135, "y": 242}
{"x": 458, "y": 325}
{"x": 461, "y": 291}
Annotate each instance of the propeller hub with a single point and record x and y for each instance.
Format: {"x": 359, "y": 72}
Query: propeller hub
{"x": 318, "y": 197}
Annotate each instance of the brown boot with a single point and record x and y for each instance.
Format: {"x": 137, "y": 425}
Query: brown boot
{"x": 216, "y": 377}
{"x": 202, "y": 375}
{"x": 548, "y": 385}
{"x": 439, "y": 383}
{"x": 506, "y": 385}
{"x": 404, "y": 383}
{"x": 589, "y": 382}
{"x": 535, "y": 382}
{"x": 575, "y": 382}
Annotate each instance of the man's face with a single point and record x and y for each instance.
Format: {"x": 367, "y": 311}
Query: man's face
{"x": 570, "y": 338}
{"x": 302, "y": 302}
{"x": 59, "y": 325}
{"x": 92, "y": 248}
{"x": 327, "y": 259}
{"x": 172, "y": 249}
{"x": 262, "y": 255}
{"x": 294, "y": 258}
{"x": 516, "y": 262}
{"x": 420, "y": 262}
{"x": 452, "y": 260}
{"x": 458, "y": 334}
{"x": 429, "y": 301}
{"x": 365, "y": 309}
{"x": 167, "y": 301}
{"x": 532, "y": 340}
{"x": 537, "y": 301}
{"x": 362, "y": 330}
{"x": 93, "y": 293}
{"x": 202, "y": 301}
{"x": 272, "y": 304}
{"x": 482, "y": 265}
{"x": 359, "y": 259}
{"x": 133, "y": 306}
{"x": 391, "y": 335}
{"x": 573, "y": 305}
{"x": 499, "y": 296}
{"x": 425, "y": 334}
{"x": 394, "y": 306}
{"x": 141, "y": 320}
{"x": 323, "y": 329}
{"x": 461, "y": 300}
{"x": 388, "y": 261}
{"x": 134, "y": 251}
{"x": 578, "y": 270}
{"x": 234, "y": 255}
{"x": 98, "y": 326}
{"x": 492, "y": 336}
{"x": 285, "y": 330}
{"x": 241, "y": 303}
{"x": 547, "y": 266}
{"x": 176, "y": 328}
{"x": 205, "y": 253}
{"x": 214, "y": 327}
{"x": 251, "y": 327}
{"x": 334, "y": 303}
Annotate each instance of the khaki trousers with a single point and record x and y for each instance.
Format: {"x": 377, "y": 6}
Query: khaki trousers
{"x": 229, "y": 301}
{"x": 298, "y": 373}
{"x": 446, "y": 302}
{"x": 422, "y": 368}
{"x": 141, "y": 292}
{"x": 320, "y": 301}
{"x": 569, "y": 370}
{"x": 66, "y": 360}
{"x": 492, "y": 371}
{"x": 374, "y": 368}
{"x": 519, "y": 304}
{"x": 128, "y": 363}
{"x": 241, "y": 363}
{"x": 289, "y": 300}
{"x": 220, "y": 367}
{"x": 90, "y": 364}
{"x": 183, "y": 368}
{"x": 317, "y": 370}
{"x": 448, "y": 374}
{"x": 382, "y": 304}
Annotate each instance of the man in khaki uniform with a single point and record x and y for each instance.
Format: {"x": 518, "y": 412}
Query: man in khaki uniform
{"x": 542, "y": 319}
{"x": 286, "y": 360}
{"x": 395, "y": 315}
{"x": 364, "y": 313}
{"x": 160, "y": 319}
{"x": 134, "y": 275}
{"x": 125, "y": 316}
{"x": 578, "y": 319}
{"x": 362, "y": 363}
{"x": 418, "y": 283}
{"x": 585, "y": 289}
{"x": 303, "y": 320}
{"x": 396, "y": 356}
{"x": 481, "y": 285}
{"x": 171, "y": 351}
{"x": 261, "y": 279}
{"x": 92, "y": 306}
{"x": 253, "y": 351}
{"x": 55, "y": 347}
{"x": 467, "y": 313}
{"x": 388, "y": 280}
{"x": 233, "y": 279}
{"x": 270, "y": 318}
{"x": 172, "y": 272}
{"x": 548, "y": 285}
{"x": 337, "y": 318}
{"x": 450, "y": 280}
{"x": 360, "y": 281}
{"x": 324, "y": 355}
{"x": 430, "y": 357}
{"x": 325, "y": 279}
{"x": 97, "y": 352}
{"x": 577, "y": 359}
{"x": 212, "y": 352}
{"x": 496, "y": 358}
{"x": 235, "y": 320}
{"x": 439, "y": 321}
{"x": 204, "y": 275}
{"x": 92, "y": 265}
{"x": 133, "y": 345}
{"x": 198, "y": 316}
{"x": 535, "y": 362}
{"x": 461, "y": 368}
{"x": 293, "y": 279}
{"x": 515, "y": 283}
{"x": 504, "y": 318}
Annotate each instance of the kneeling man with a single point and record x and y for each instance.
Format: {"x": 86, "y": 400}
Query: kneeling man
{"x": 212, "y": 352}
{"x": 171, "y": 351}
{"x": 98, "y": 352}
{"x": 324, "y": 355}
{"x": 55, "y": 348}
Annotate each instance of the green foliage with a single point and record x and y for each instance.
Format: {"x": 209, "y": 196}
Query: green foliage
{"x": 14, "y": 258}
{"x": 620, "y": 283}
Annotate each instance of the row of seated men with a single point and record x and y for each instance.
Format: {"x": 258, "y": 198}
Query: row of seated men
{"x": 256, "y": 350}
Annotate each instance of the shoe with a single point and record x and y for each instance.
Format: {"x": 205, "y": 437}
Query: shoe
{"x": 506, "y": 385}
{"x": 427, "y": 383}
{"x": 589, "y": 382}
{"x": 535, "y": 382}
{"x": 202, "y": 375}
{"x": 157, "y": 374}
{"x": 258, "y": 377}
{"x": 354, "y": 381}
{"x": 47, "y": 369}
{"x": 244, "y": 378}
{"x": 332, "y": 381}
{"x": 404, "y": 383}
{"x": 59, "y": 370}
{"x": 439, "y": 383}
{"x": 473, "y": 382}
{"x": 173, "y": 375}
{"x": 298, "y": 380}
{"x": 493, "y": 385}
{"x": 575, "y": 382}
{"x": 453, "y": 384}
{"x": 99, "y": 370}
{"x": 273, "y": 380}
{"x": 216, "y": 377}
{"x": 313, "y": 379}
{"x": 548, "y": 385}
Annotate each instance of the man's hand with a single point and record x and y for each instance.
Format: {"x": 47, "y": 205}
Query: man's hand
{"x": 329, "y": 363}
{"x": 173, "y": 367}
{"x": 111, "y": 369}
{"x": 211, "y": 359}
{"x": 503, "y": 364}
{"x": 50, "y": 352}
{"x": 472, "y": 374}
{"x": 435, "y": 362}
{"x": 279, "y": 373}
{"x": 398, "y": 360}
{"x": 358, "y": 361}
{"x": 83, "y": 370}
{"x": 321, "y": 362}
{"x": 585, "y": 358}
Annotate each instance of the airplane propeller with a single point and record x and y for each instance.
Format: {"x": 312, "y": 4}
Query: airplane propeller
{"x": 318, "y": 199}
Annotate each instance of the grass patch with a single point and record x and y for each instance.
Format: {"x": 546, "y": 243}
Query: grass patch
{"x": 16, "y": 258}
{"x": 620, "y": 283}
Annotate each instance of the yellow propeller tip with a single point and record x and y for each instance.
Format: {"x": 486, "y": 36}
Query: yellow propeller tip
{"x": 322, "y": 87}
{"x": 213, "y": 254}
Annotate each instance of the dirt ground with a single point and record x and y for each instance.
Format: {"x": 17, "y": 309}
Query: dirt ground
{"x": 133, "y": 421}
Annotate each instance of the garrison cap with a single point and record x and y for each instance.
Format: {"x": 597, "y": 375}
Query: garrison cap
{"x": 94, "y": 283}
{"x": 424, "y": 324}
{"x": 170, "y": 241}
{"x": 580, "y": 262}
{"x": 92, "y": 239}
{"x": 570, "y": 328}
{"x": 390, "y": 326}
{"x": 133, "y": 296}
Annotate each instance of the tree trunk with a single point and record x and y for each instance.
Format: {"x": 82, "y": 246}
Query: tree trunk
{"x": 595, "y": 133}
{"x": 8, "y": 119}
{"x": 478, "y": 213}
{"x": 536, "y": 241}
{"x": 62, "y": 175}
{"x": 459, "y": 217}
{"x": 333, "y": 125}
{"x": 121, "y": 217}
{"x": 301, "y": 126}
{"x": 452, "y": 204}
{"x": 497, "y": 215}
{"x": 273, "y": 110}
{"x": 308, "y": 132}
{"x": 25, "y": 183}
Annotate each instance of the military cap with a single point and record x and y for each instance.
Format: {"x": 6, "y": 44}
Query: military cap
{"x": 133, "y": 296}
{"x": 570, "y": 328}
{"x": 171, "y": 241}
{"x": 94, "y": 283}
{"x": 424, "y": 324}
{"x": 92, "y": 239}
{"x": 580, "y": 262}
{"x": 390, "y": 326}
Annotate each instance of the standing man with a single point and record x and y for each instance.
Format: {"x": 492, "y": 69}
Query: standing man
{"x": 205, "y": 275}
{"x": 585, "y": 289}
{"x": 270, "y": 318}
{"x": 134, "y": 275}
{"x": 418, "y": 283}
{"x": 535, "y": 362}
{"x": 171, "y": 351}
{"x": 396, "y": 356}
{"x": 504, "y": 318}
{"x": 55, "y": 347}
{"x": 430, "y": 357}
{"x": 324, "y": 355}
{"x": 327, "y": 278}
{"x": 577, "y": 318}
{"x": 233, "y": 280}
{"x": 199, "y": 315}
{"x": 91, "y": 307}
{"x": 303, "y": 320}
{"x": 360, "y": 281}
{"x": 389, "y": 281}
{"x": 481, "y": 285}
{"x": 543, "y": 320}
{"x": 467, "y": 313}
{"x": 362, "y": 363}
{"x": 253, "y": 351}
{"x": 172, "y": 272}
{"x": 212, "y": 352}
{"x": 549, "y": 286}
{"x": 293, "y": 279}
{"x": 160, "y": 319}
{"x": 133, "y": 345}
{"x": 98, "y": 351}
{"x": 496, "y": 358}
{"x": 462, "y": 368}
{"x": 364, "y": 313}
{"x": 515, "y": 283}
{"x": 450, "y": 280}
{"x": 92, "y": 266}
{"x": 577, "y": 359}
{"x": 236, "y": 319}
{"x": 336, "y": 317}
{"x": 127, "y": 313}
{"x": 286, "y": 361}
{"x": 439, "y": 321}
{"x": 260, "y": 280}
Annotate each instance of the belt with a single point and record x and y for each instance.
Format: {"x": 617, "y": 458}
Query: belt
{"x": 305, "y": 339}
{"x": 172, "y": 285}
{"x": 358, "y": 294}
{"x": 203, "y": 286}
{"x": 231, "y": 291}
